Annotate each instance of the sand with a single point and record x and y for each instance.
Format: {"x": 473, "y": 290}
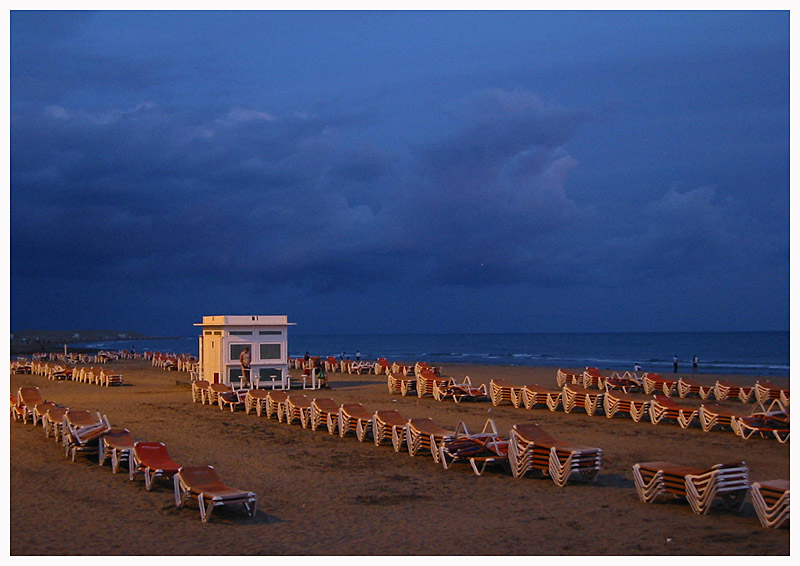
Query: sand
{"x": 325, "y": 495}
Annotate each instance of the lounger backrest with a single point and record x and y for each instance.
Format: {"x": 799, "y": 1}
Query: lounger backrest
{"x": 151, "y": 454}
{"x": 30, "y": 396}
{"x": 356, "y": 410}
{"x": 80, "y": 417}
{"x": 666, "y": 401}
{"x": 391, "y": 417}
{"x": 428, "y": 426}
{"x": 326, "y": 404}
{"x": 532, "y": 432}
{"x": 118, "y": 436}
{"x": 56, "y": 413}
{"x": 200, "y": 477}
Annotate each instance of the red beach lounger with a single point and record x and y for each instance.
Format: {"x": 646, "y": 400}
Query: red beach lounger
{"x": 152, "y": 459}
{"x": 202, "y": 483}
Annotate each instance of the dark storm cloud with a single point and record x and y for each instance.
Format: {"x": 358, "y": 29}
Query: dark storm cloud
{"x": 239, "y": 165}
{"x": 143, "y": 186}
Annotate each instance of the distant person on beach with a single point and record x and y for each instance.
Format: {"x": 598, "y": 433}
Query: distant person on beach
{"x": 695, "y": 361}
{"x": 306, "y": 357}
{"x": 637, "y": 367}
{"x": 244, "y": 360}
{"x": 358, "y": 355}
{"x": 674, "y": 364}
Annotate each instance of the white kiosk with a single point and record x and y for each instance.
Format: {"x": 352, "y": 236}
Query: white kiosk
{"x": 224, "y": 337}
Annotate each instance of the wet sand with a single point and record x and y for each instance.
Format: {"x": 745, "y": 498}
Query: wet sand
{"x": 325, "y": 495}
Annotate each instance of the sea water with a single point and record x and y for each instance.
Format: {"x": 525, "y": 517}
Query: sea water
{"x": 751, "y": 353}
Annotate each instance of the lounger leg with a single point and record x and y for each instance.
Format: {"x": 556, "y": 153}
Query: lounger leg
{"x": 178, "y": 491}
{"x": 398, "y": 435}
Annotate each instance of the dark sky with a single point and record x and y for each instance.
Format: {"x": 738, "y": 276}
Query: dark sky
{"x": 401, "y": 171}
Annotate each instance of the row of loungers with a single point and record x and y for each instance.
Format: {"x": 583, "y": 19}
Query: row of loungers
{"x": 649, "y": 383}
{"x": 770, "y": 422}
{"x": 103, "y": 376}
{"x": 528, "y": 449}
{"x": 728, "y": 482}
{"x": 82, "y": 431}
{"x": 379, "y": 367}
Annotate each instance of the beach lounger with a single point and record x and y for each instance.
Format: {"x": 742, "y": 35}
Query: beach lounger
{"x": 700, "y": 486}
{"x": 766, "y": 391}
{"x": 360, "y": 367}
{"x": 593, "y": 378}
{"x": 276, "y": 401}
{"x": 575, "y": 396}
{"x": 255, "y": 400}
{"x": 766, "y": 425}
{"x": 531, "y": 448}
{"x": 214, "y": 391}
{"x": 152, "y": 460}
{"x": 714, "y": 416}
{"x": 116, "y": 445}
{"x": 27, "y": 398}
{"x": 771, "y": 502}
{"x": 654, "y": 382}
{"x": 353, "y": 417}
{"x": 331, "y": 365}
{"x": 535, "y": 395}
{"x": 402, "y": 369}
{"x": 40, "y": 410}
{"x": 108, "y": 377}
{"x": 401, "y": 383}
{"x": 619, "y": 402}
{"x": 425, "y": 435}
{"x": 480, "y": 450}
{"x": 59, "y": 373}
{"x": 420, "y": 366}
{"x": 502, "y": 391}
{"x": 389, "y": 424}
{"x": 459, "y": 391}
{"x": 381, "y": 367}
{"x": 296, "y": 407}
{"x": 627, "y": 382}
{"x": 324, "y": 411}
{"x": 564, "y": 377}
{"x": 724, "y": 389}
{"x": 88, "y": 374}
{"x": 53, "y": 422}
{"x": 664, "y": 408}
{"x": 687, "y": 387}
{"x": 231, "y": 399}
{"x": 17, "y": 410}
{"x": 200, "y": 391}
{"x": 82, "y": 431}
{"x": 426, "y": 380}
{"x": 203, "y": 484}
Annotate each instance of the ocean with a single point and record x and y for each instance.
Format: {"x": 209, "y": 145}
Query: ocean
{"x": 749, "y": 353}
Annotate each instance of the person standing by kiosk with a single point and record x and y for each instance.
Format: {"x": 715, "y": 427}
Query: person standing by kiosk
{"x": 244, "y": 360}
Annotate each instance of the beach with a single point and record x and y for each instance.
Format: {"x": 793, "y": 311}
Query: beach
{"x": 320, "y": 494}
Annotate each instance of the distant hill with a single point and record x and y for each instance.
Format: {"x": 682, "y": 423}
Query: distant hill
{"x": 28, "y": 341}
